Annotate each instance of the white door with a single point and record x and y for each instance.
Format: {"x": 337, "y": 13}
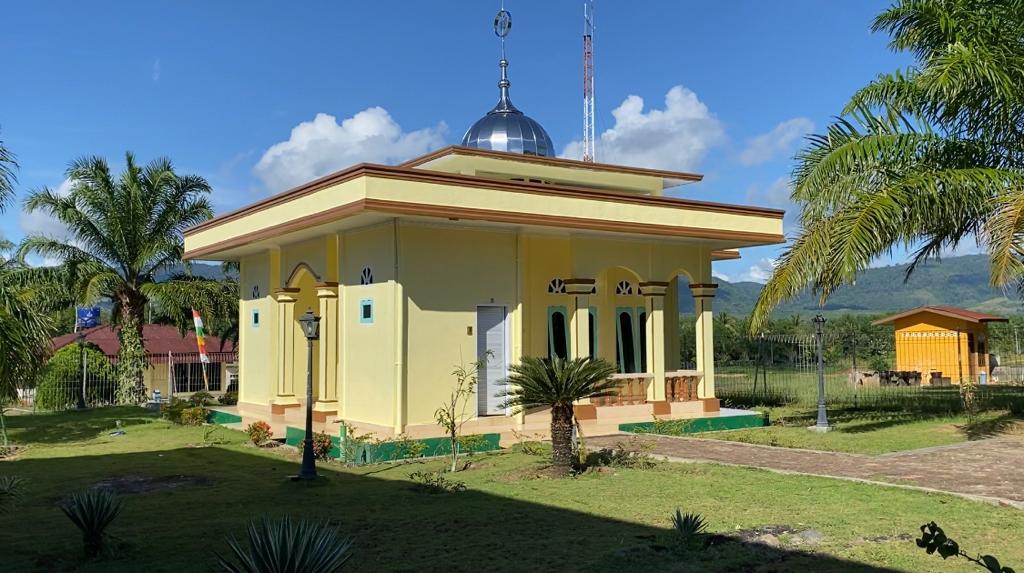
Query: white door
{"x": 491, "y": 341}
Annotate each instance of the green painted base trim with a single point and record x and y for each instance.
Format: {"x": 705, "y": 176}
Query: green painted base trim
{"x": 697, "y": 425}
{"x": 218, "y": 417}
{"x": 295, "y": 436}
{"x": 371, "y": 452}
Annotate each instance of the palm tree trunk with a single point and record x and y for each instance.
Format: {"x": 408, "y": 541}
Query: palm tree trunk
{"x": 561, "y": 439}
{"x": 131, "y": 357}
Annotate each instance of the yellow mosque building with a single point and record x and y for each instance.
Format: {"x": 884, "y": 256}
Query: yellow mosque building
{"x": 494, "y": 247}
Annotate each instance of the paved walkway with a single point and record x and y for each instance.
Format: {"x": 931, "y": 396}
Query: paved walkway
{"x": 985, "y": 469}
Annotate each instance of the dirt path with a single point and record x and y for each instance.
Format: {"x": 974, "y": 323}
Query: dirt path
{"x": 985, "y": 469}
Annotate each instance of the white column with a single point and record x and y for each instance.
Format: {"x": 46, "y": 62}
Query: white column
{"x": 580, "y": 290}
{"x": 327, "y": 382}
{"x": 654, "y": 331}
{"x": 285, "y": 392}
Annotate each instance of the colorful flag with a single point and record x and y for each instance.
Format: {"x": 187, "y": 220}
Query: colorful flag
{"x": 87, "y": 317}
{"x": 200, "y": 336}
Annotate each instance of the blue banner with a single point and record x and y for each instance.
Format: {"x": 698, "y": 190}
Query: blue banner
{"x": 88, "y": 317}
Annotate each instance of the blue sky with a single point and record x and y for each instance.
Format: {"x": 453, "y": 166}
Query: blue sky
{"x": 254, "y": 96}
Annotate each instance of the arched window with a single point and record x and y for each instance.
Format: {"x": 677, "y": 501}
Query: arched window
{"x": 556, "y": 286}
{"x": 366, "y": 277}
{"x": 642, "y": 338}
{"x": 624, "y": 288}
{"x": 558, "y": 333}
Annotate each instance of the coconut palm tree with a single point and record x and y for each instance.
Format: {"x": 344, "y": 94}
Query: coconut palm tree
{"x": 7, "y": 176}
{"x": 558, "y": 384}
{"x": 924, "y": 159}
{"x": 122, "y": 232}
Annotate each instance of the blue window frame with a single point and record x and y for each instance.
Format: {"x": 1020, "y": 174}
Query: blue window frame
{"x": 558, "y": 332}
{"x": 366, "y": 311}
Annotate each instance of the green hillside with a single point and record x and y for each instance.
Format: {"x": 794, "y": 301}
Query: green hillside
{"x": 958, "y": 281}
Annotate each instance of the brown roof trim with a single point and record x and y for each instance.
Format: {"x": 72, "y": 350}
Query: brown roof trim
{"x": 420, "y": 175}
{"x": 703, "y": 285}
{"x": 495, "y": 216}
{"x": 579, "y": 281}
{"x": 654, "y": 283}
{"x": 948, "y": 311}
{"x": 725, "y": 255}
{"x": 555, "y": 161}
{"x": 286, "y": 290}
{"x": 326, "y": 284}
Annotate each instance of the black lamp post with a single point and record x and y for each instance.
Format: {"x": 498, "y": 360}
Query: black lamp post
{"x": 81, "y": 361}
{"x": 819, "y": 332}
{"x": 311, "y": 328}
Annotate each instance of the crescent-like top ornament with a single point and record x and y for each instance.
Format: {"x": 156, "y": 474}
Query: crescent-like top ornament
{"x": 502, "y": 24}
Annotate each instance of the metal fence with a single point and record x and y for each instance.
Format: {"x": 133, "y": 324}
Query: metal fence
{"x": 93, "y": 380}
{"x": 922, "y": 371}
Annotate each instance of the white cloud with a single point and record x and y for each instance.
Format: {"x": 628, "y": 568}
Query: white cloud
{"x": 776, "y": 143}
{"x": 676, "y": 137}
{"x": 156, "y": 70}
{"x": 322, "y": 146}
{"x": 759, "y": 272}
{"x": 775, "y": 195}
{"x": 42, "y": 223}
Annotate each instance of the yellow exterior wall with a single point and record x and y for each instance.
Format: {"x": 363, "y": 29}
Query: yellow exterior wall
{"x": 257, "y": 364}
{"x": 445, "y": 273}
{"x": 927, "y": 342}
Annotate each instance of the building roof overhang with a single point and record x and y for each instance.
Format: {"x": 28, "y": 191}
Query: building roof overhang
{"x": 947, "y": 311}
{"x": 366, "y": 193}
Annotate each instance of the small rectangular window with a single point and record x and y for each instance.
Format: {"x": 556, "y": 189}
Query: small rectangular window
{"x": 366, "y": 311}
{"x": 255, "y": 319}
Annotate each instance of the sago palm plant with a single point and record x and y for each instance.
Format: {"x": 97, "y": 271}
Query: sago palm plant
{"x": 288, "y": 546}
{"x": 92, "y": 512}
{"x": 557, "y": 384}
{"x": 923, "y": 158}
{"x": 123, "y": 231}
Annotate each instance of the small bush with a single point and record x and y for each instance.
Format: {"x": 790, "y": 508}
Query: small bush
{"x": 228, "y": 399}
{"x": 688, "y": 527}
{"x": 531, "y": 446}
{"x": 435, "y": 482}
{"x": 193, "y": 416}
{"x": 173, "y": 410}
{"x": 12, "y": 488}
{"x": 635, "y": 454}
{"x": 201, "y": 398}
{"x": 283, "y": 545}
{"x": 61, "y": 381}
{"x": 321, "y": 446}
{"x": 406, "y": 447}
{"x": 91, "y": 512}
{"x": 259, "y": 432}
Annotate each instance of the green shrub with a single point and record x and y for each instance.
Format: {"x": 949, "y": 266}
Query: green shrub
{"x": 286, "y": 546}
{"x": 436, "y": 482}
{"x": 322, "y": 445}
{"x": 61, "y": 382}
{"x": 193, "y": 416}
{"x": 228, "y": 399}
{"x": 636, "y": 454}
{"x": 91, "y": 512}
{"x": 201, "y": 398}
{"x": 12, "y": 488}
{"x": 259, "y": 432}
{"x": 173, "y": 410}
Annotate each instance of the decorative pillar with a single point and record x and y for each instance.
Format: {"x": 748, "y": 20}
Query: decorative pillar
{"x": 703, "y": 295}
{"x": 286, "y": 327}
{"x": 654, "y": 330}
{"x": 327, "y": 383}
{"x": 580, "y": 290}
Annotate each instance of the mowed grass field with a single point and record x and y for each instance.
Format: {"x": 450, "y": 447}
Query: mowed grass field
{"x": 203, "y": 486}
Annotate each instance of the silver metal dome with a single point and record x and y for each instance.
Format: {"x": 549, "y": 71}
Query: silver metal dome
{"x": 505, "y": 128}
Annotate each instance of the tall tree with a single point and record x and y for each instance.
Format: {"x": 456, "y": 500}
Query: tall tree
{"x": 924, "y": 158}
{"x": 8, "y": 178}
{"x": 122, "y": 232}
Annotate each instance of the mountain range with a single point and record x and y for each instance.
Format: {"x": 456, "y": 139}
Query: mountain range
{"x": 957, "y": 281}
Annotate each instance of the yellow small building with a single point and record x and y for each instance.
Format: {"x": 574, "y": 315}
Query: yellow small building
{"x": 492, "y": 248}
{"x": 944, "y": 344}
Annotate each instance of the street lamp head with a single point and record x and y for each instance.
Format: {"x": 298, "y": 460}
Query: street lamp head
{"x": 819, "y": 323}
{"x": 310, "y": 325}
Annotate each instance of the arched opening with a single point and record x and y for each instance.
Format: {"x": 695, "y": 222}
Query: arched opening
{"x": 303, "y": 278}
{"x": 558, "y": 333}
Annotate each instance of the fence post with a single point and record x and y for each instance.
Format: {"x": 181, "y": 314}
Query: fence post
{"x": 819, "y": 331}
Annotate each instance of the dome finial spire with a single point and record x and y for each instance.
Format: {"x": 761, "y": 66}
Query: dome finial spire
{"x": 502, "y": 27}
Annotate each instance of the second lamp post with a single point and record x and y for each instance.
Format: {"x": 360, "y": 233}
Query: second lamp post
{"x": 311, "y": 328}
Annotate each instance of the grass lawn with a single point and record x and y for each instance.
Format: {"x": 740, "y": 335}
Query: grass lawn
{"x": 507, "y": 520}
{"x": 871, "y": 433}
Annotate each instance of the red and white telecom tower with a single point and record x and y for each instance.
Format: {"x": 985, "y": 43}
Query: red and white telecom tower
{"x": 589, "y": 131}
